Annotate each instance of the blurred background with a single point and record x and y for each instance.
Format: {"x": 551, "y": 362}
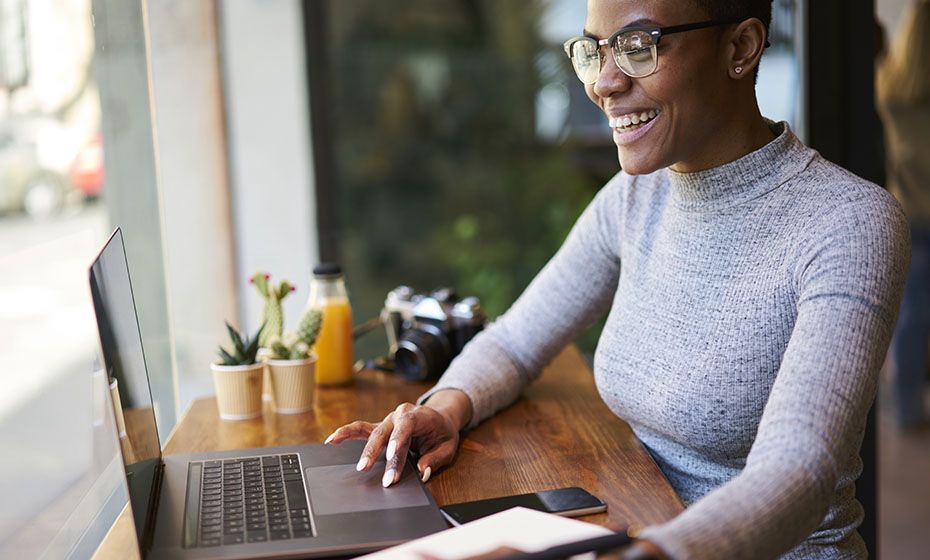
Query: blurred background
{"x": 424, "y": 143}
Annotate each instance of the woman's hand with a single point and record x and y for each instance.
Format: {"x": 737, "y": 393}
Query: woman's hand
{"x": 432, "y": 430}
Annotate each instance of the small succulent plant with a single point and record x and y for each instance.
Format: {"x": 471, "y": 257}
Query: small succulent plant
{"x": 272, "y": 313}
{"x": 244, "y": 348}
{"x": 296, "y": 345}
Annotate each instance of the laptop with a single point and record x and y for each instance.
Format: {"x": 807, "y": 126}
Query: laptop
{"x": 279, "y": 502}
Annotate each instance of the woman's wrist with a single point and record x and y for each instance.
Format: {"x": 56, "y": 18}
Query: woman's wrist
{"x": 454, "y": 405}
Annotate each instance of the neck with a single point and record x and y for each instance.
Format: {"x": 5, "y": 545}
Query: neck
{"x": 744, "y": 132}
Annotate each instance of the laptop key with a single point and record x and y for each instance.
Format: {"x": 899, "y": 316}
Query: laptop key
{"x": 211, "y": 542}
{"x": 233, "y": 539}
{"x": 301, "y": 534}
{"x": 280, "y": 535}
{"x": 256, "y": 536}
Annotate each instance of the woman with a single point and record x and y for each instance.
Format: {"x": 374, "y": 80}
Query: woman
{"x": 904, "y": 104}
{"x": 752, "y": 288}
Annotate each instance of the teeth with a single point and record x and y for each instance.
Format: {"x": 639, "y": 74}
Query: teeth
{"x": 633, "y": 119}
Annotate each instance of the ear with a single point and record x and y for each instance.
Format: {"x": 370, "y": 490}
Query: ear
{"x": 745, "y": 45}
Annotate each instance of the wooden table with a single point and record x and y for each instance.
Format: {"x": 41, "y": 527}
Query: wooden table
{"x": 559, "y": 434}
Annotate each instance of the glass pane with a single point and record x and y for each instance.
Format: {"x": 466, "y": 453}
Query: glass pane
{"x": 76, "y": 159}
{"x": 456, "y": 165}
{"x": 779, "y": 86}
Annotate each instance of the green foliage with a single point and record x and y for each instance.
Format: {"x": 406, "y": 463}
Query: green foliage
{"x": 244, "y": 349}
{"x": 297, "y": 344}
{"x": 272, "y": 312}
{"x": 441, "y": 176}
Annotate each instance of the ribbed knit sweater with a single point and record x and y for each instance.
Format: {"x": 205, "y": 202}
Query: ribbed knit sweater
{"x": 749, "y": 308}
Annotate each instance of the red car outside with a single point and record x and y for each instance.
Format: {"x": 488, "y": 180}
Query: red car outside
{"x": 86, "y": 171}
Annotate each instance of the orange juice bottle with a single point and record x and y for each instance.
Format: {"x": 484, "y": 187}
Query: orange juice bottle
{"x": 334, "y": 344}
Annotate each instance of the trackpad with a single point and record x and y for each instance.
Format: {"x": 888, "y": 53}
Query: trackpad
{"x": 341, "y": 489}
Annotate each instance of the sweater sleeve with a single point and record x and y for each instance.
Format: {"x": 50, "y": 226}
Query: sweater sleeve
{"x": 574, "y": 288}
{"x": 850, "y": 278}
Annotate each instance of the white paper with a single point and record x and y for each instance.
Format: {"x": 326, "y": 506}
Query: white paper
{"x": 520, "y": 528}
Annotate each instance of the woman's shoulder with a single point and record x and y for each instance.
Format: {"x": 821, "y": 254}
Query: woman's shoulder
{"x": 848, "y": 216}
{"x": 836, "y": 192}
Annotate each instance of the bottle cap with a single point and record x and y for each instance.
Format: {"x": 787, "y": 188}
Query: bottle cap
{"x": 327, "y": 270}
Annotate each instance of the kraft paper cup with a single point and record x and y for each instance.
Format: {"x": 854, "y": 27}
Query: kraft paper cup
{"x": 238, "y": 390}
{"x": 293, "y": 383}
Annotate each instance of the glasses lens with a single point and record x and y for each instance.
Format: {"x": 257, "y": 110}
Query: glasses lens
{"x": 585, "y": 59}
{"x": 635, "y": 53}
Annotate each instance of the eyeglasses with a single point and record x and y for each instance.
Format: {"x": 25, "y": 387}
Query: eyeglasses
{"x": 634, "y": 49}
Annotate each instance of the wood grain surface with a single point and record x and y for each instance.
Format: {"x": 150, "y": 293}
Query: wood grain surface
{"x": 559, "y": 434}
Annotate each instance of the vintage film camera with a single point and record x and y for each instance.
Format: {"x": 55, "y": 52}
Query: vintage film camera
{"x": 426, "y": 331}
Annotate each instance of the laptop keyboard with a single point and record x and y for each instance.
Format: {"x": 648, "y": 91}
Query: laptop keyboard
{"x": 253, "y": 499}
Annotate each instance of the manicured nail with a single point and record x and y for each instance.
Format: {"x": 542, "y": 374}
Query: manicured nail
{"x": 426, "y": 474}
{"x": 362, "y": 464}
{"x": 392, "y": 449}
{"x": 330, "y": 438}
{"x": 388, "y": 478}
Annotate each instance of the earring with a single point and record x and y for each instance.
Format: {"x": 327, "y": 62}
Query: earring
{"x": 738, "y": 69}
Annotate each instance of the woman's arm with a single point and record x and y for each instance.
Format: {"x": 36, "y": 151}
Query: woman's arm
{"x": 574, "y": 288}
{"x": 850, "y": 281}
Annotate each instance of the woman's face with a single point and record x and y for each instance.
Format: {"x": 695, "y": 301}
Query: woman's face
{"x": 688, "y": 92}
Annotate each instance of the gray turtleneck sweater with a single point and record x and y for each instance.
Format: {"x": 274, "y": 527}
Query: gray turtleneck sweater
{"x": 749, "y": 310}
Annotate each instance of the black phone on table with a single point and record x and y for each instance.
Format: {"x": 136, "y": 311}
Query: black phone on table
{"x": 568, "y": 502}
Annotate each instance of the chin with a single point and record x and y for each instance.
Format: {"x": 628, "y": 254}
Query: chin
{"x": 635, "y": 164}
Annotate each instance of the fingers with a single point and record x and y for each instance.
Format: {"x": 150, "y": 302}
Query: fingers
{"x": 398, "y": 444}
{"x": 435, "y": 458}
{"x": 376, "y": 442}
{"x": 355, "y": 430}
{"x": 435, "y": 439}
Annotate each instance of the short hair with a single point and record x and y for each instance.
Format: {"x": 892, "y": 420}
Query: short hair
{"x": 738, "y": 10}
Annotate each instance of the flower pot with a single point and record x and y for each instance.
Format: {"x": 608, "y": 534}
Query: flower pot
{"x": 293, "y": 384}
{"x": 238, "y": 390}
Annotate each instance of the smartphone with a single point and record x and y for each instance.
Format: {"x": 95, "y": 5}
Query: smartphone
{"x": 568, "y": 502}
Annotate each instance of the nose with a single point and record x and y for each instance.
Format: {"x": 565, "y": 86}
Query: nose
{"x": 611, "y": 80}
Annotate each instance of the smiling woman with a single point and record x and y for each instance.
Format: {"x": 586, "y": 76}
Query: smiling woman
{"x": 751, "y": 288}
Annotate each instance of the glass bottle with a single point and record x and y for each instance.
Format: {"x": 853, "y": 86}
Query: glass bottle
{"x": 334, "y": 345}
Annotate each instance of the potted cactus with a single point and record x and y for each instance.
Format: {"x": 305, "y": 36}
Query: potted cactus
{"x": 272, "y": 317}
{"x": 238, "y": 377}
{"x": 292, "y": 365}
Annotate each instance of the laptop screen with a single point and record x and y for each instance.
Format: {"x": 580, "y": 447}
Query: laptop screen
{"x": 121, "y": 343}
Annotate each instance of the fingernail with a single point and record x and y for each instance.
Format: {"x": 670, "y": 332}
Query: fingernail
{"x": 391, "y": 449}
{"x": 362, "y": 463}
{"x": 330, "y": 438}
{"x": 426, "y": 474}
{"x": 388, "y": 478}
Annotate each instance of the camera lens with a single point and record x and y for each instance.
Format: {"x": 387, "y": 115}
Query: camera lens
{"x": 422, "y": 353}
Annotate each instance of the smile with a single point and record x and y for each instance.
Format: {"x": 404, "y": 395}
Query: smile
{"x": 632, "y": 121}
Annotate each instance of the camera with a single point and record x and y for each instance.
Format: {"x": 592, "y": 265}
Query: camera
{"x": 426, "y": 331}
